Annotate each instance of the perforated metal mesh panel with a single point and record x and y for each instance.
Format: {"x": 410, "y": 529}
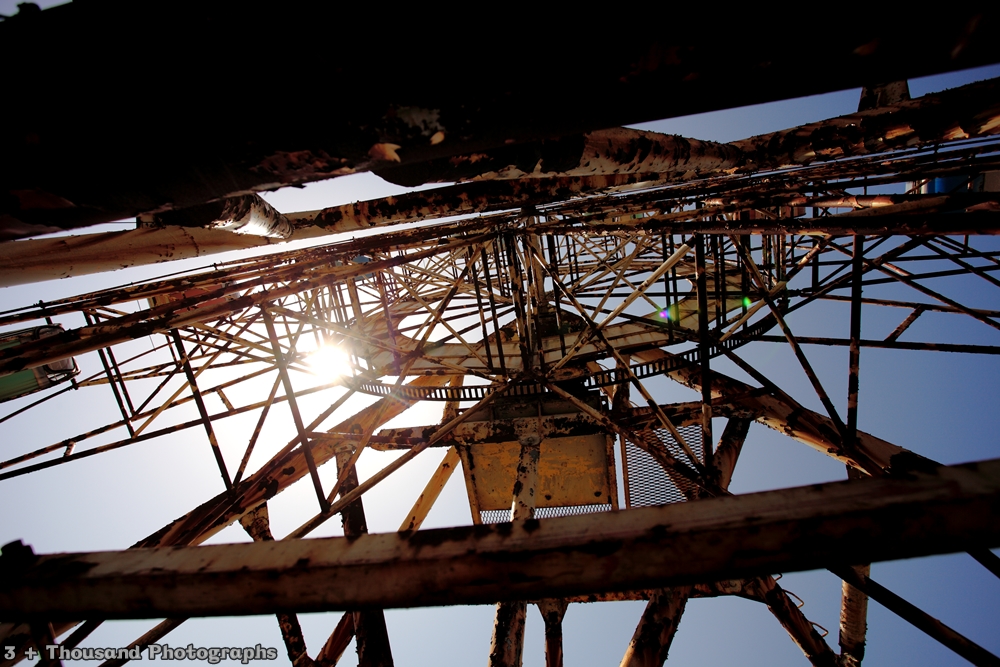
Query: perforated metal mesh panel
{"x": 500, "y": 516}
{"x": 648, "y": 483}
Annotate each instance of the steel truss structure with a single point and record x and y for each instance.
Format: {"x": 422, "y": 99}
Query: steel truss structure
{"x": 542, "y": 308}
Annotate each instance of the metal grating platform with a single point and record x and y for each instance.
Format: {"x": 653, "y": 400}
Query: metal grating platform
{"x": 502, "y": 516}
{"x": 647, "y": 483}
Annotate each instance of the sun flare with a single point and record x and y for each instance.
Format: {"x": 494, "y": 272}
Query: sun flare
{"x": 330, "y": 361}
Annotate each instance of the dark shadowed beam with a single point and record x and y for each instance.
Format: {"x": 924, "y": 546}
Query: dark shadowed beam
{"x": 945, "y": 509}
{"x": 654, "y": 635}
{"x": 553, "y": 611}
{"x": 507, "y": 642}
{"x": 257, "y": 524}
{"x": 854, "y": 603}
{"x": 196, "y": 139}
{"x": 966, "y": 112}
{"x": 607, "y": 152}
{"x": 370, "y": 632}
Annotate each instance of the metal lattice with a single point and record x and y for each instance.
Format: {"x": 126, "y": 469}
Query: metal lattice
{"x": 503, "y": 516}
{"x": 648, "y": 484}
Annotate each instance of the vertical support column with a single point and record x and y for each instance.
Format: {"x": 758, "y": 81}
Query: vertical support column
{"x": 493, "y": 306}
{"x": 553, "y": 251}
{"x": 524, "y": 341}
{"x": 854, "y": 603}
{"x": 540, "y": 306}
{"x": 855, "y": 349}
{"x": 703, "y": 351}
{"x": 471, "y": 260}
{"x": 369, "y": 626}
{"x": 853, "y": 621}
{"x": 352, "y": 291}
{"x": 553, "y": 611}
{"x": 523, "y": 505}
{"x": 507, "y": 644}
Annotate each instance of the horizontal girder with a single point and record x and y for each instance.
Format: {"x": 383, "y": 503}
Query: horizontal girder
{"x": 919, "y": 512}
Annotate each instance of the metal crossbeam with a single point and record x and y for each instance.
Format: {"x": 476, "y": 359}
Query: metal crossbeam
{"x": 947, "y": 509}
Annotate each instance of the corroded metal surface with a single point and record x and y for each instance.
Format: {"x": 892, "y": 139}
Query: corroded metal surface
{"x": 67, "y": 172}
{"x": 651, "y": 642}
{"x": 659, "y": 546}
{"x": 600, "y": 153}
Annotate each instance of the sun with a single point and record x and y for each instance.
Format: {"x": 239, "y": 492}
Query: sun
{"x": 330, "y": 361}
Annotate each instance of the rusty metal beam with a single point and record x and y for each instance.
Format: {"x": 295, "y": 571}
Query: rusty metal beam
{"x": 728, "y": 451}
{"x": 608, "y": 152}
{"x": 704, "y": 341}
{"x": 35, "y": 260}
{"x": 431, "y": 492}
{"x": 244, "y": 214}
{"x": 461, "y": 199}
{"x": 798, "y": 627}
{"x": 257, "y": 524}
{"x": 507, "y": 642}
{"x": 941, "y": 509}
{"x": 853, "y": 621}
{"x": 202, "y": 410}
{"x": 337, "y": 642}
{"x": 286, "y": 381}
{"x": 655, "y": 633}
{"x": 59, "y": 172}
{"x": 553, "y": 611}
{"x": 854, "y": 359}
{"x": 372, "y": 638}
{"x": 782, "y": 413}
{"x": 155, "y": 634}
{"x": 931, "y": 223}
{"x": 905, "y": 124}
{"x": 273, "y": 477}
{"x": 966, "y": 112}
{"x": 890, "y": 344}
{"x": 964, "y": 647}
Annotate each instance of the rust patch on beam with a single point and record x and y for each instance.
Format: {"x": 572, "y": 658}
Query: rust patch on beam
{"x": 943, "y": 509}
{"x": 246, "y": 214}
{"x": 601, "y": 153}
{"x": 967, "y": 112}
{"x": 462, "y": 199}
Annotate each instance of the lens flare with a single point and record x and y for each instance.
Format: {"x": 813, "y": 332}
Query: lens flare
{"x": 329, "y": 361}
{"x": 747, "y": 302}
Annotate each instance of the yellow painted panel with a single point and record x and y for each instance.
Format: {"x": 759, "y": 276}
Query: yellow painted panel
{"x": 571, "y": 471}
